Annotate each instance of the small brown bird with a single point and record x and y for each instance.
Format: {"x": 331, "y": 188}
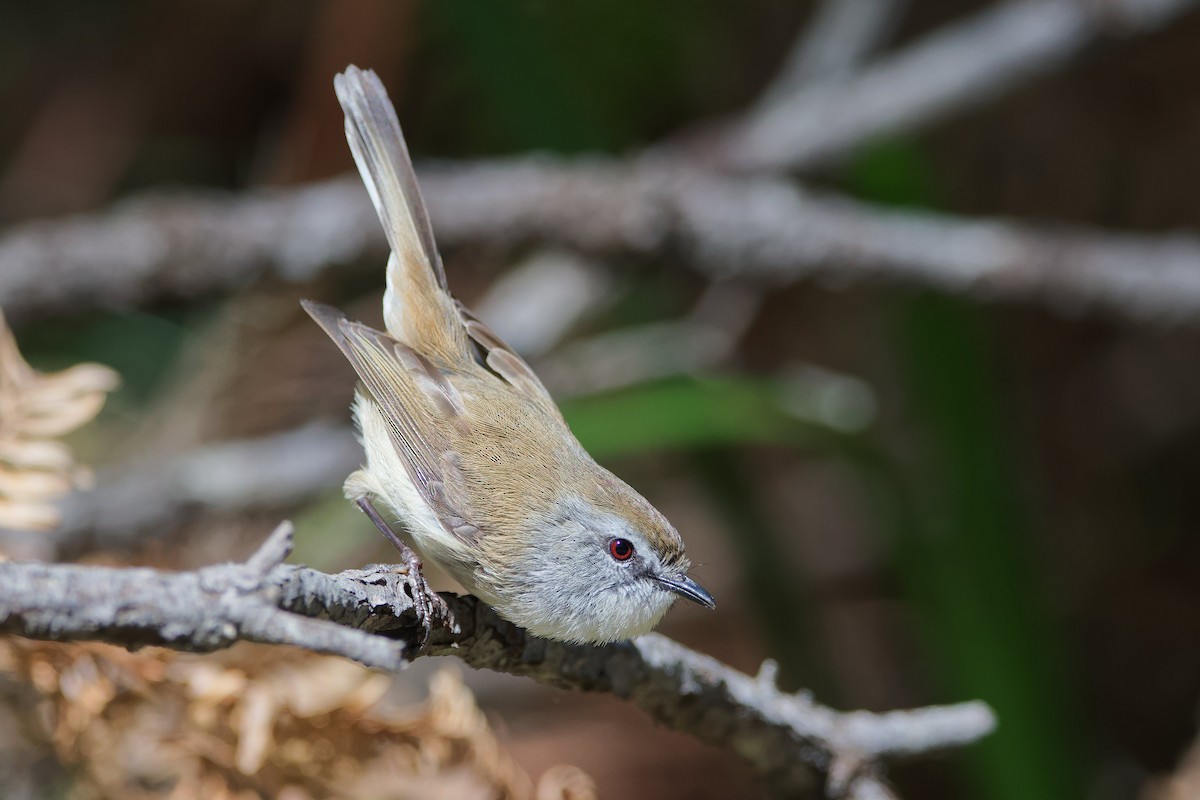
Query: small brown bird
{"x": 469, "y": 451}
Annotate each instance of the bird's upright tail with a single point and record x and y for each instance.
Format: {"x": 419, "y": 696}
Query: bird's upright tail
{"x": 417, "y": 307}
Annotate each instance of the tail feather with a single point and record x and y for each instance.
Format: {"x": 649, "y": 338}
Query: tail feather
{"x": 417, "y": 307}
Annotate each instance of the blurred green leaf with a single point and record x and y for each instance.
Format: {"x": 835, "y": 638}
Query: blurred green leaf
{"x": 565, "y": 76}
{"x": 140, "y": 346}
{"x": 685, "y": 414}
{"x": 895, "y": 172}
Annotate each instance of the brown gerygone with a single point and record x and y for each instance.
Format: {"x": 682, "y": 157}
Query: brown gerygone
{"x": 466, "y": 447}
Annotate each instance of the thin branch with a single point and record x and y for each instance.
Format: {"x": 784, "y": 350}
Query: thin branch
{"x": 162, "y": 245}
{"x": 367, "y": 615}
{"x": 197, "y": 611}
{"x": 534, "y": 305}
{"x": 840, "y": 36}
{"x": 770, "y": 228}
{"x": 628, "y": 356}
{"x": 954, "y": 69}
{"x": 721, "y": 225}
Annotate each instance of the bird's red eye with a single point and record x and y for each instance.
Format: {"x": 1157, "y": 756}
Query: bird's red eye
{"x": 620, "y": 549}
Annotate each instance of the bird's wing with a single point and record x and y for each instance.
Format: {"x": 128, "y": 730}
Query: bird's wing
{"x": 504, "y": 362}
{"x": 400, "y": 380}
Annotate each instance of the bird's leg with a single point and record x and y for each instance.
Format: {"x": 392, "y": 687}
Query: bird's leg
{"x": 426, "y": 602}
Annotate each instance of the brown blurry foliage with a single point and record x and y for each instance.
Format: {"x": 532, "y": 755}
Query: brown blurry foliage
{"x": 35, "y": 410}
{"x": 260, "y": 722}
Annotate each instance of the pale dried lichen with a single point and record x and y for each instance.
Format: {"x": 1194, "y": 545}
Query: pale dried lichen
{"x": 35, "y": 410}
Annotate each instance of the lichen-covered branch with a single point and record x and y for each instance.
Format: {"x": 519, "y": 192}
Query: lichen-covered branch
{"x": 197, "y": 611}
{"x": 782, "y": 735}
{"x": 367, "y": 615}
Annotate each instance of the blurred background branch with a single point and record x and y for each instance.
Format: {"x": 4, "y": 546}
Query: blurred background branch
{"x": 840, "y": 36}
{"x": 955, "y": 68}
{"x": 165, "y": 247}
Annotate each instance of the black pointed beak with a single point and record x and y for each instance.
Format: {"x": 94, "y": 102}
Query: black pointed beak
{"x": 684, "y": 586}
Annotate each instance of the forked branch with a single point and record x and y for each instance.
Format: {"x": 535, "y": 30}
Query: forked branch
{"x": 366, "y": 615}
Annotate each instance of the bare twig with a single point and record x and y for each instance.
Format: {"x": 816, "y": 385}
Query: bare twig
{"x": 367, "y": 616}
{"x": 722, "y": 225}
{"x": 197, "y": 611}
{"x": 632, "y": 355}
{"x": 772, "y": 228}
{"x": 180, "y": 245}
{"x": 840, "y": 35}
{"x": 954, "y": 69}
{"x": 534, "y": 305}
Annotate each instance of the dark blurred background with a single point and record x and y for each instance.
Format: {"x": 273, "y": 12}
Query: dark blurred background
{"x": 904, "y": 496}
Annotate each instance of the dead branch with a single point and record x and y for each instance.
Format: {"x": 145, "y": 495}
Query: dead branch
{"x": 951, "y": 70}
{"x": 181, "y": 245}
{"x": 759, "y": 227}
{"x": 367, "y": 616}
{"x": 161, "y": 245}
{"x": 196, "y": 611}
{"x": 840, "y": 35}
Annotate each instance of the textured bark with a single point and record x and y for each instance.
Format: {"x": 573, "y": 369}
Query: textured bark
{"x": 367, "y": 615}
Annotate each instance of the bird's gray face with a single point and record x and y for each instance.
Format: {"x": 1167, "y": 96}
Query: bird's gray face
{"x": 592, "y": 576}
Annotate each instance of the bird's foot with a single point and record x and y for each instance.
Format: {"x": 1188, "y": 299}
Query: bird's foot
{"x": 428, "y": 605}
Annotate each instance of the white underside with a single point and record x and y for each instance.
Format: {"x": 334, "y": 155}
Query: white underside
{"x": 386, "y": 479}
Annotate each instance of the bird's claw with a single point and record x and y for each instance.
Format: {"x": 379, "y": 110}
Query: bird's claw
{"x": 429, "y": 606}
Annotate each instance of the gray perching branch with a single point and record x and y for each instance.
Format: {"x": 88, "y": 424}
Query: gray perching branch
{"x": 956, "y": 68}
{"x": 760, "y": 227}
{"x": 199, "y": 611}
{"x": 366, "y": 615}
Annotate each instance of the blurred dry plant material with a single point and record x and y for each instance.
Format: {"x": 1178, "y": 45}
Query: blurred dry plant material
{"x": 259, "y": 722}
{"x": 35, "y": 410}
{"x": 1183, "y": 784}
